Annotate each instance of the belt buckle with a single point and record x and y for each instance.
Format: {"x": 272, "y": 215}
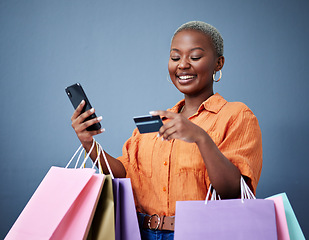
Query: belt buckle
{"x": 149, "y": 222}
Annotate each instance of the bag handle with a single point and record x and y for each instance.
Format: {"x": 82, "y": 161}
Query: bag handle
{"x": 105, "y": 159}
{"x": 99, "y": 149}
{"x": 245, "y": 192}
{"x": 80, "y": 150}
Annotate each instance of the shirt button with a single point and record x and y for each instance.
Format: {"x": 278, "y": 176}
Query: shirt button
{"x": 164, "y": 189}
{"x": 165, "y": 163}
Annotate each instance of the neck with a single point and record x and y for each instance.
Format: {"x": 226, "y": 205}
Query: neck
{"x": 193, "y": 103}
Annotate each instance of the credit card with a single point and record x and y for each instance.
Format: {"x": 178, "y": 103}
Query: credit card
{"x": 148, "y": 123}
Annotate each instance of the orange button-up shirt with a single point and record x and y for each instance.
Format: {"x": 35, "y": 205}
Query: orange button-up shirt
{"x": 163, "y": 172}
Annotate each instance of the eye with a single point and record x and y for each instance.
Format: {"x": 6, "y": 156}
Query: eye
{"x": 175, "y": 59}
{"x": 196, "y": 58}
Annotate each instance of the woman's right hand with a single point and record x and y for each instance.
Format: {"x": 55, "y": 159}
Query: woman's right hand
{"x": 86, "y": 138}
{"x": 80, "y": 126}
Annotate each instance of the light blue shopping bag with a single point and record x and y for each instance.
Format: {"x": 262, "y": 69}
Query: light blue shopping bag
{"x": 293, "y": 225}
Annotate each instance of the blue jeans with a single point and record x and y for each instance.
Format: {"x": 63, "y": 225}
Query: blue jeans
{"x": 148, "y": 234}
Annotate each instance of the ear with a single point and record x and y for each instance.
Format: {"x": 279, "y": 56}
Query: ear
{"x": 220, "y": 63}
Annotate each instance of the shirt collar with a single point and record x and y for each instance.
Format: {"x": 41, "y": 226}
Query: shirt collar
{"x": 212, "y": 104}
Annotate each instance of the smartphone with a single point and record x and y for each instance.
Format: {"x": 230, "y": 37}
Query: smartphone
{"x": 148, "y": 123}
{"x": 76, "y": 94}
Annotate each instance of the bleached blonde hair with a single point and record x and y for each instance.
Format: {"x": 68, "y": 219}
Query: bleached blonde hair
{"x": 207, "y": 29}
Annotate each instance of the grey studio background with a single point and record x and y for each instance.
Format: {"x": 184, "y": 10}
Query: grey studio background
{"x": 118, "y": 51}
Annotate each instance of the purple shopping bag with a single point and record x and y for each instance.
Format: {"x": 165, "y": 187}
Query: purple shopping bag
{"x": 241, "y": 219}
{"x": 252, "y": 219}
{"x": 62, "y": 207}
{"x": 126, "y": 223}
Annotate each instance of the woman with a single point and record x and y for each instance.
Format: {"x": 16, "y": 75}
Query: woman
{"x": 204, "y": 139}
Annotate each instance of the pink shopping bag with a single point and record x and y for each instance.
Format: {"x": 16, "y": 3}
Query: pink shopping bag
{"x": 282, "y": 226}
{"x": 62, "y": 207}
{"x": 294, "y": 229}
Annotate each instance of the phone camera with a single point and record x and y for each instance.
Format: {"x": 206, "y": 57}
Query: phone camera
{"x": 69, "y": 93}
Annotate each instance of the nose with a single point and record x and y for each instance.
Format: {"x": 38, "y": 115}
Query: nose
{"x": 183, "y": 64}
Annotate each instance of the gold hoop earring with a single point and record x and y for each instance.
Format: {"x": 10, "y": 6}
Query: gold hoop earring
{"x": 168, "y": 79}
{"x": 214, "y": 76}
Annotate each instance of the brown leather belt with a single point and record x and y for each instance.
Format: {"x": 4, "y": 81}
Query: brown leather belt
{"x": 156, "y": 222}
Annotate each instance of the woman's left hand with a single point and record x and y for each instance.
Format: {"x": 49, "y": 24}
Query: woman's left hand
{"x": 179, "y": 127}
{"x": 223, "y": 174}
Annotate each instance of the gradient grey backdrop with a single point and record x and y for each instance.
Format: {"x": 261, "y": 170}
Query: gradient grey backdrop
{"x": 118, "y": 50}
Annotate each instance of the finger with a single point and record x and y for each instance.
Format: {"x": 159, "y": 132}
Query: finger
{"x": 78, "y": 110}
{"x": 166, "y": 114}
{"x": 84, "y": 125}
{"x": 165, "y": 127}
{"x": 169, "y": 134}
{"x": 87, "y": 136}
{"x": 82, "y": 117}
{"x": 96, "y": 132}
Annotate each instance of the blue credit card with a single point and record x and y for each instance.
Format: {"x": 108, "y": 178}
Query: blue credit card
{"x": 148, "y": 123}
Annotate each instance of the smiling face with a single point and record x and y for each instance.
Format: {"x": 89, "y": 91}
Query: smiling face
{"x": 192, "y": 62}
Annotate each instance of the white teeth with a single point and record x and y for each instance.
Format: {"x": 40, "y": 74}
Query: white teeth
{"x": 185, "y": 77}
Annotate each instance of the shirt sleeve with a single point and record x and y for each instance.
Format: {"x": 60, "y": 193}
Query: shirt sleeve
{"x": 129, "y": 147}
{"x": 242, "y": 145}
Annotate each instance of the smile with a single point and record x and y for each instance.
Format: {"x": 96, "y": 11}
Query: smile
{"x": 185, "y": 79}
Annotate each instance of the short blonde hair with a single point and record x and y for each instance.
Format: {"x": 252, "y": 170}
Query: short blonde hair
{"x": 207, "y": 29}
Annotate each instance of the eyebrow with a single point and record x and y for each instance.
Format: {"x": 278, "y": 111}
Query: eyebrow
{"x": 196, "y": 48}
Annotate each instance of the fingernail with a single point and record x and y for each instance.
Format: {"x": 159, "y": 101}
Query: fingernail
{"x": 82, "y": 102}
{"x": 92, "y": 110}
{"x": 102, "y": 129}
{"x": 152, "y": 112}
{"x": 158, "y": 135}
{"x": 99, "y": 118}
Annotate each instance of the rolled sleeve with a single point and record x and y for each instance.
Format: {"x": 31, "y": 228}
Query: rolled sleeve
{"x": 243, "y": 146}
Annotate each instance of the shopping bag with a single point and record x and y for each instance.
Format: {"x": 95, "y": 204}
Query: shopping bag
{"x": 103, "y": 223}
{"x": 245, "y": 218}
{"x": 126, "y": 223}
{"x": 61, "y": 207}
{"x": 282, "y": 226}
{"x": 294, "y": 228}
